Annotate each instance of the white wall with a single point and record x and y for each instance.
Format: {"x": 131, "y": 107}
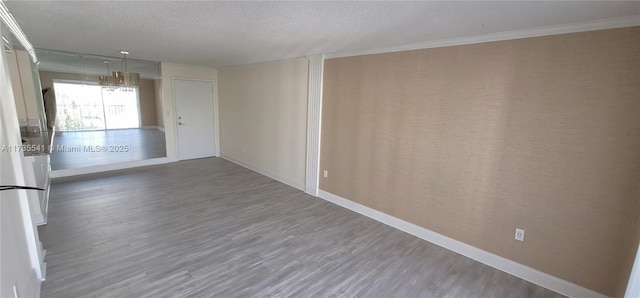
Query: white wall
{"x": 169, "y": 72}
{"x": 264, "y": 110}
{"x": 19, "y": 248}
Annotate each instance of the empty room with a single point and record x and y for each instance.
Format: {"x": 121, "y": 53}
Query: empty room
{"x": 320, "y": 149}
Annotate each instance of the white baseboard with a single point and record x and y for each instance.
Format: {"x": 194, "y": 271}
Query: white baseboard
{"x": 108, "y": 167}
{"x": 153, "y": 127}
{"x": 527, "y": 273}
{"x": 264, "y": 172}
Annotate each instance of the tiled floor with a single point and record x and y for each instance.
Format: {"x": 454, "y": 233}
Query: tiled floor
{"x": 76, "y": 149}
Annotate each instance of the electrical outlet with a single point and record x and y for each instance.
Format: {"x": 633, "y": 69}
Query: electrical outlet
{"x": 519, "y": 234}
{"x": 242, "y": 148}
{"x": 325, "y": 174}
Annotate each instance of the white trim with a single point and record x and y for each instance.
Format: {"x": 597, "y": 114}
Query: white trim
{"x": 619, "y": 22}
{"x": 314, "y": 123}
{"x": 8, "y": 19}
{"x": 174, "y": 113}
{"x": 7, "y": 44}
{"x": 269, "y": 174}
{"x": 76, "y": 82}
{"x": 633, "y": 286}
{"x": 216, "y": 119}
{"x": 527, "y": 273}
{"x": 156, "y": 127}
{"x": 137, "y": 90}
{"x": 108, "y": 167}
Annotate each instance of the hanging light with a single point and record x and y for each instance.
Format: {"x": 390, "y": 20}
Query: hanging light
{"x": 104, "y": 80}
{"x": 123, "y": 80}
{"x": 118, "y": 78}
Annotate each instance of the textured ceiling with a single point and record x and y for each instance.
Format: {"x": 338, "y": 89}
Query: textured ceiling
{"x": 230, "y": 33}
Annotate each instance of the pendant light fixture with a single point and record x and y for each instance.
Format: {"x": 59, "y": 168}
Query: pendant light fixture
{"x": 104, "y": 80}
{"x": 127, "y": 80}
{"x": 122, "y": 80}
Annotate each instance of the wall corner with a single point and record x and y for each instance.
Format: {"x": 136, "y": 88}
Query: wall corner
{"x": 314, "y": 120}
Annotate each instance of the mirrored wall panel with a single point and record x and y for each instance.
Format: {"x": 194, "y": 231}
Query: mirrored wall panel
{"x": 25, "y": 85}
{"x": 102, "y": 110}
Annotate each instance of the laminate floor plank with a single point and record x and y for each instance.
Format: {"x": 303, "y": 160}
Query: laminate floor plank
{"x": 208, "y": 227}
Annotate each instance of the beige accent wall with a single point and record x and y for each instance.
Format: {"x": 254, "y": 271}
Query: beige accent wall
{"x": 263, "y": 118}
{"x": 473, "y": 141}
{"x": 146, "y": 91}
{"x": 148, "y": 110}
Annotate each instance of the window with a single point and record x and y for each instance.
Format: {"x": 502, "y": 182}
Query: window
{"x": 82, "y": 106}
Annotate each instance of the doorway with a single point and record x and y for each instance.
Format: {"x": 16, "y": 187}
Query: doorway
{"x": 195, "y": 118}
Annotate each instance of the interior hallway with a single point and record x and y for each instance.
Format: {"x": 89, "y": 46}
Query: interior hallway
{"x": 209, "y": 227}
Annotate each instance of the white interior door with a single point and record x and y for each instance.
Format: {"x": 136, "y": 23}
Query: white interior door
{"x": 195, "y": 116}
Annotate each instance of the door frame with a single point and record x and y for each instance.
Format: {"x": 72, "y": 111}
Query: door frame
{"x": 216, "y": 117}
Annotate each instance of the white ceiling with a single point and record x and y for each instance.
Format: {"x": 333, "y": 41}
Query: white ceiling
{"x": 231, "y": 33}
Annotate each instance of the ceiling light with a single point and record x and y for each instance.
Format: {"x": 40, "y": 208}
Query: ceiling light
{"x": 122, "y": 80}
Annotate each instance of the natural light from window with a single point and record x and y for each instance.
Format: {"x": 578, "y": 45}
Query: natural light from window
{"x": 82, "y": 106}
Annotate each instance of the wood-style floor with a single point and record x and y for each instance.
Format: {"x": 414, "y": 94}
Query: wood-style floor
{"x": 209, "y": 227}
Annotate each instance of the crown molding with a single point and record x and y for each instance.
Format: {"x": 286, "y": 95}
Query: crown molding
{"x": 7, "y": 19}
{"x": 611, "y": 23}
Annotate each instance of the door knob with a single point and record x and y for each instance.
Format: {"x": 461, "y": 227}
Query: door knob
{"x": 180, "y": 123}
